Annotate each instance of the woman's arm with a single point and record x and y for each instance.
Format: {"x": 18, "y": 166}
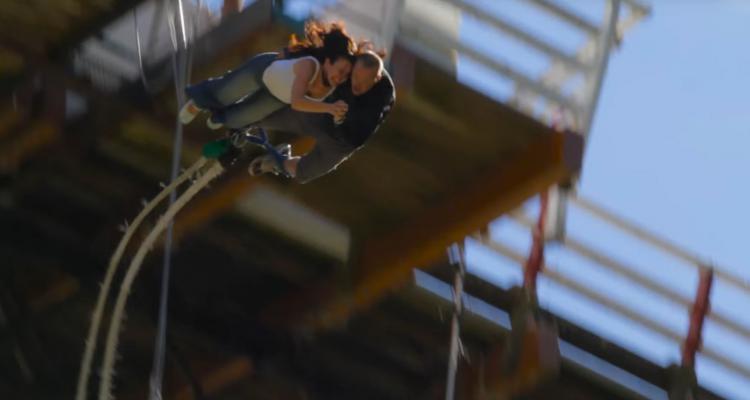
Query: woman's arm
{"x": 303, "y": 72}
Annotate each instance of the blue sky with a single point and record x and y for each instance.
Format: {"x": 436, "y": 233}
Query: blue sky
{"x": 670, "y": 140}
{"x": 668, "y": 150}
{"x": 669, "y": 147}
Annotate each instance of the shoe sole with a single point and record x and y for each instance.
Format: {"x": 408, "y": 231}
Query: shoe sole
{"x": 186, "y": 116}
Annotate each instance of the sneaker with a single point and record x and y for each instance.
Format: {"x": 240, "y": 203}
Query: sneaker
{"x": 213, "y": 125}
{"x": 188, "y": 112}
{"x": 267, "y": 163}
{"x": 262, "y": 165}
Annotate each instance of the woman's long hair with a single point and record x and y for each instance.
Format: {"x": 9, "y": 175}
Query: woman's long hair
{"x": 322, "y": 41}
{"x": 364, "y": 46}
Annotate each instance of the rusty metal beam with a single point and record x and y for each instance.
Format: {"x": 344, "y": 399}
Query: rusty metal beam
{"x": 31, "y": 140}
{"x": 9, "y": 118}
{"x": 403, "y": 64}
{"x": 43, "y": 50}
{"x": 272, "y": 386}
{"x": 213, "y": 369}
{"x": 40, "y": 286}
{"x": 387, "y": 261}
{"x": 54, "y": 293}
{"x": 37, "y": 124}
{"x": 22, "y": 306}
{"x": 219, "y": 377}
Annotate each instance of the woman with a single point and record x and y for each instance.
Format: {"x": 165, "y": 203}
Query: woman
{"x": 370, "y": 95}
{"x": 310, "y": 72}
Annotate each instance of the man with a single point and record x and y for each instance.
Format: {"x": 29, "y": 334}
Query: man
{"x": 370, "y": 95}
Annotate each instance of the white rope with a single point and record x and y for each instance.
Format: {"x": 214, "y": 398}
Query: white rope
{"x": 105, "y": 386}
{"x": 456, "y": 256}
{"x": 96, "y": 315}
{"x": 90, "y": 343}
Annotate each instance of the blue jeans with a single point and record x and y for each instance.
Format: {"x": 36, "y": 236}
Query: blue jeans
{"x": 239, "y": 97}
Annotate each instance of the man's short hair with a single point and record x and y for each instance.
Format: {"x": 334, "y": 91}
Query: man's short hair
{"x": 371, "y": 60}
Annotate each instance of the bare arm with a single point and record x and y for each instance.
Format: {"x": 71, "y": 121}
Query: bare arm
{"x": 303, "y": 72}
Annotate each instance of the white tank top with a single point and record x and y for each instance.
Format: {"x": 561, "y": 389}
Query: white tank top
{"x": 279, "y": 77}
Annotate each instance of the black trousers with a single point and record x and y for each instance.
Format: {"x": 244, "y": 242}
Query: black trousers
{"x": 328, "y": 152}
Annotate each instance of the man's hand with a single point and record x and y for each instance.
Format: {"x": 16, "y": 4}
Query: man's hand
{"x": 338, "y": 110}
{"x": 339, "y": 121}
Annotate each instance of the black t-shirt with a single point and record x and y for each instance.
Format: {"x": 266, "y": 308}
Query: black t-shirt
{"x": 366, "y": 112}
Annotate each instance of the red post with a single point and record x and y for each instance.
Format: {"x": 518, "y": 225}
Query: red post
{"x": 536, "y": 256}
{"x": 697, "y": 316}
